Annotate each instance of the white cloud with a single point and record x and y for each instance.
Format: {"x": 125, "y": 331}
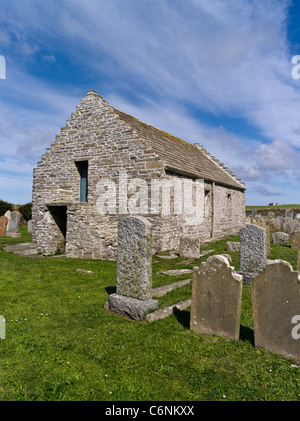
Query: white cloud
{"x": 227, "y": 58}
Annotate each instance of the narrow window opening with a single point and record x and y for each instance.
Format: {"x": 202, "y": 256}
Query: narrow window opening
{"x": 82, "y": 167}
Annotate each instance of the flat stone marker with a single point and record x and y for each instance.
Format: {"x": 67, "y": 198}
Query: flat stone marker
{"x": 275, "y": 295}
{"x": 190, "y": 247}
{"x": 295, "y": 240}
{"x": 252, "y": 251}
{"x": 2, "y": 327}
{"x": 216, "y": 298}
{"x": 233, "y": 246}
{"x": 3, "y": 225}
{"x": 133, "y": 296}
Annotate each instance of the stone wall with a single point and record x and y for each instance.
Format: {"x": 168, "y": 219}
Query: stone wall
{"x": 94, "y": 133}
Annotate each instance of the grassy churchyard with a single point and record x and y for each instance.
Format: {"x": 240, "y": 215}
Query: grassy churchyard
{"x": 62, "y": 345}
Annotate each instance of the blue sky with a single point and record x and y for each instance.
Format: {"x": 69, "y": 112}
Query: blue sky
{"x": 214, "y": 72}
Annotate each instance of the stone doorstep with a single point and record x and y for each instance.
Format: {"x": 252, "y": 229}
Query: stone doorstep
{"x": 167, "y": 311}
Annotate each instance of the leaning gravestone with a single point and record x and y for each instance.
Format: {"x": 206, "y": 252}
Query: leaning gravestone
{"x": 216, "y": 298}
{"x": 280, "y": 238}
{"x": 252, "y": 251}
{"x": 13, "y": 227}
{"x": 3, "y": 226}
{"x": 275, "y": 295}
{"x": 190, "y": 247}
{"x": 133, "y": 297}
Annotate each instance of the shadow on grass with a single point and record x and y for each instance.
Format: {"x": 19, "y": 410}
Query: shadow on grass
{"x": 110, "y": 290}
{"x": 246, "y": 334}
{"x": 183, "y": 317}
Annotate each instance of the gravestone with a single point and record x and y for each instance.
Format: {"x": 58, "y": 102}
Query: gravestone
{"x": 291, "y": 226}
{"x": 289, "y": 214}
{"x": 295, "y": 240}
{"x": 133, "y": 297}
{"x": 271, "y": 215}
{"x": 13, "y": 227}
{"x": 3, "y": 226}
{"x": 280, "y": 238}
{"x": 216, "y": 298}
{"x": 274, "y": 225}
{"x": 8, "y": 216}
{"x": 189, "y": 247}
{"x": 252, "y": 251}
{"x": 253, "y": 213}
{"x": 29, "y": 226}
{"x": 262, "y": 222}
{"x": 275, "y": 295}
{"x": 2, "y": 327}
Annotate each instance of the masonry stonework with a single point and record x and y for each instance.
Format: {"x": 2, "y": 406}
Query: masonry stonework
{"x": 112, "y": 143}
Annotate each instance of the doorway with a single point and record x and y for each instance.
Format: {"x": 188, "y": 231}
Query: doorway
{"x": 59, "y": 214}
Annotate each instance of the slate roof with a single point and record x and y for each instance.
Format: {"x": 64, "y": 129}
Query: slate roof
{"x": 181, "y": 156}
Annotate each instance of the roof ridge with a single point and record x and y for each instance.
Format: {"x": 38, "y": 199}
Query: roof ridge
{"x": 220, "y": 164}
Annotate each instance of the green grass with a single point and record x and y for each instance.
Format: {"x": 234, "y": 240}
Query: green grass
{"x": 62, "y": 345}
{"x": 274, "y": 207}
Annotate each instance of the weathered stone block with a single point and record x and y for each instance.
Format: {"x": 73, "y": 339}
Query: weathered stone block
{"x": 275, "y": 296}
{"x": 131, "y": 307}
{"x": 216, "y": 298}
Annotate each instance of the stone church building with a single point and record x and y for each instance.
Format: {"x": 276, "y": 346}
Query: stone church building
{"x": 101, "y": 167}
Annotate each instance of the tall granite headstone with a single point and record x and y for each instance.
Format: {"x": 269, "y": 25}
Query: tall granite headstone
{"x": 252, "y": 251}
{"x": 133, "y": 297}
